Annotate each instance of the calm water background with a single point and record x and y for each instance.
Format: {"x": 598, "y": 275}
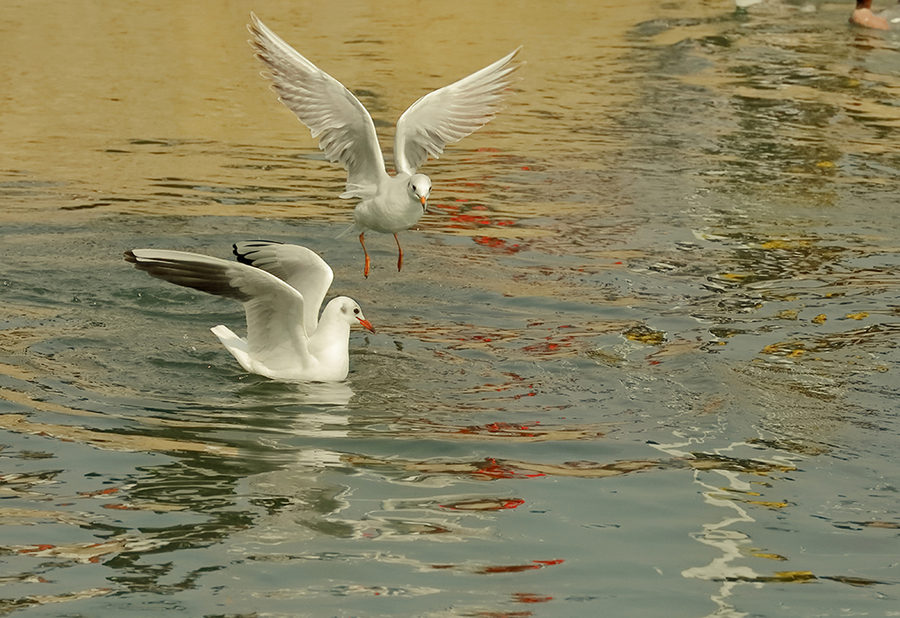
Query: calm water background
{"x": 641, "y": 360}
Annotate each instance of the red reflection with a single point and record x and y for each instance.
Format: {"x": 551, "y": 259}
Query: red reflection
{"x": 494, "y": 427}
{"x": 36, "y": 548}
{"x": 485, "y": 504}
{"x": 99, "y": 492}
{"x": 494, "y": 470}
{"x": 508, "y": 568}
{"x": 518, "y": 568}
{"x": 498, "y": 243}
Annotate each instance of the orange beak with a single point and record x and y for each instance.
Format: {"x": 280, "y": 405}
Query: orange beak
{"x": 423, "y": 198}
{"x": 366, "y": 324}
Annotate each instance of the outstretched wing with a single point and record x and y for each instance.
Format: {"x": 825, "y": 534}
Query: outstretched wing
{"x": 299, "y": 267}
{"x": 335, "y": 117}
{"x": 275, "y": 310}
{"x": 447, "y": 115}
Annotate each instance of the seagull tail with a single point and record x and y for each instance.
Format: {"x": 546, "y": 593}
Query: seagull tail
{"x": 235, "y": 345}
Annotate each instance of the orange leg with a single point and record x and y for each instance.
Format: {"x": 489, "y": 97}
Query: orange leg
{"x": 363, "y": 243}
{"x": 400, "y": 249}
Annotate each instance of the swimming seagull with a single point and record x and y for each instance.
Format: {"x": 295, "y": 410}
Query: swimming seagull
{"x": 347, "y": 134}
{"x": 282, "y": 287}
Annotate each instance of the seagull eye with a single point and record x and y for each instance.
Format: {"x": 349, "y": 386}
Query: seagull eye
{"x": 355, "y": 311}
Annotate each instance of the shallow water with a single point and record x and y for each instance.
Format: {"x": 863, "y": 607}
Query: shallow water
{"x": 640, "y": 360}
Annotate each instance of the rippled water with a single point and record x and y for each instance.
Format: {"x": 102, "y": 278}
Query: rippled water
{"x": 640, "y": 361}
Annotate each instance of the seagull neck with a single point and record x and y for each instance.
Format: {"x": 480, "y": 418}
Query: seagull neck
{"x": 331, "y": 332}
{"x": 329, "y": 346}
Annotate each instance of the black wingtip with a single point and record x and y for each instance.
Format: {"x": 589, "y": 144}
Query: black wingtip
{"x": 248, "y": 245}
{"x": 130, "y": 257}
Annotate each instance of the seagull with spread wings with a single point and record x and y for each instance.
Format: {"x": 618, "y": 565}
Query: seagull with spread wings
{"x": 346, "y": 132}
{"x": 282, "y": 288}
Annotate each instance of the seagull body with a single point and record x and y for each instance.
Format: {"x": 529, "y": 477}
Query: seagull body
{"x": 346, "y": 132}
{"x": 282, "y": 288}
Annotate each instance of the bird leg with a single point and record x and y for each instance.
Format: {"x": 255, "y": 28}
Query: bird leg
{"x": 363, "y": 243}
{"x": 400, "y": 249}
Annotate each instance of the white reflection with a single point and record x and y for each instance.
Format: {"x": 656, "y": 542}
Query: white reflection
{"x": 717, "y": 534}
{"x": 312, "y": 393}
{"x": 326, "y": 393}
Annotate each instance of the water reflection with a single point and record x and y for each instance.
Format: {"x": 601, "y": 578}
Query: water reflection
{"x": 307, "y": 393}
{"x": 644, "y": 357}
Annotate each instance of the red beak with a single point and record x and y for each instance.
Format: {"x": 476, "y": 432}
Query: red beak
{"x": 366, "y": 324}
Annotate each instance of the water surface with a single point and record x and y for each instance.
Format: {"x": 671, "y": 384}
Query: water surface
{"x": 639, "y": 361}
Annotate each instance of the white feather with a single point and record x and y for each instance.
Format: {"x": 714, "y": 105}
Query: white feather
{"x": 346, "y": 132}
{"x": 282, "y": 288}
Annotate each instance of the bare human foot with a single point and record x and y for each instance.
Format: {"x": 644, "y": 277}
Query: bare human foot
{"x": 863, "y": 16}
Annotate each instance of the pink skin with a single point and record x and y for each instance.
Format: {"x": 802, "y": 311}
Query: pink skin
{"x": 863, "y": 16}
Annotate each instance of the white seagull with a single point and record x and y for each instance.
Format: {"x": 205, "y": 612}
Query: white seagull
{"x": 282, "y": 288}
{"x": 347, "y": 134}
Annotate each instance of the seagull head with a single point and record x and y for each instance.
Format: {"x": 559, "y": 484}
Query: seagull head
{"x": 351, "y": 313}
{"x": 420, "y": 188}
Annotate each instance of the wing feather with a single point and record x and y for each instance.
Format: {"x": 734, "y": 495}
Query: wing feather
{"x": 449, "y": 114}
{"x": 333, "y": 115}
{"x": 299, "y": 267}
{"x": 275, "y": 310}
